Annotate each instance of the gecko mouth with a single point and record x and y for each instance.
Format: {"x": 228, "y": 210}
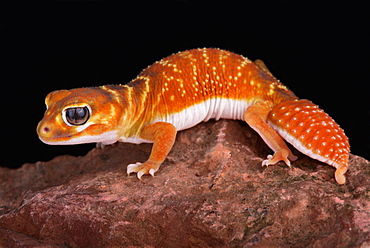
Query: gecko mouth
{"x": 55, "y": 141}
{"x": 107, "y": 137}
{"x": 46, "y": 141}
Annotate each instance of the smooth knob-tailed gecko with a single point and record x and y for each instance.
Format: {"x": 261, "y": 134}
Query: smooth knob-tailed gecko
{"x": 185, "y": 89}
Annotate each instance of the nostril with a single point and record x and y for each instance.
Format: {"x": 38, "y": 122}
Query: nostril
{"x": 46, "y": 130}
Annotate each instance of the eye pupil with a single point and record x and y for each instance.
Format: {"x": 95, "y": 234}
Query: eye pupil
{"x": 78, "y": 115}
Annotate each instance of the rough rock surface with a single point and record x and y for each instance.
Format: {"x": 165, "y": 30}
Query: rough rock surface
{"x": 210, "y": 192}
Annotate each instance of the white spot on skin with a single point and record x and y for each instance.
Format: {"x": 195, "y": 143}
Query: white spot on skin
{"x": 271, "y": 92}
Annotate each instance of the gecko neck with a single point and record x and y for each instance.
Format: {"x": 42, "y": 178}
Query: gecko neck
{"x": 130, "y": 101}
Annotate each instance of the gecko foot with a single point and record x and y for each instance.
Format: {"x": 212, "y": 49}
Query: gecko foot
{"x": 143, "y": 168}
{"x": 281, "y": 155}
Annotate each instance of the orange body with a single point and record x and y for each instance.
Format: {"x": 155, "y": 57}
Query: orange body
{"x": 185, "y": 89}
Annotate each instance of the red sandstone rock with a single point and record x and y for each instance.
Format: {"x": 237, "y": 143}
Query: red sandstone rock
{"x": 210, "y": 192}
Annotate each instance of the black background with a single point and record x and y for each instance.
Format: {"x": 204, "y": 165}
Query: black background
{"x": 320, "y": 51}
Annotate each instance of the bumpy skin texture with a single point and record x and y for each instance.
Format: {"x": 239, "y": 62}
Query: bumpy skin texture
{"x": 185, "y": 89}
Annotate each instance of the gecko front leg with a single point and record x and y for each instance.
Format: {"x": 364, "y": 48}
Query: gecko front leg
{"x": 163, "y": 135}
{"x": 256, "y": 116}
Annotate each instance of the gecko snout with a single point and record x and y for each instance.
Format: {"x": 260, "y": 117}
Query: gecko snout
{"x": 44, "y": 130}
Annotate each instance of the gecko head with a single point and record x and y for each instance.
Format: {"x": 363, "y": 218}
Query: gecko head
{"x": 77, "y": 116}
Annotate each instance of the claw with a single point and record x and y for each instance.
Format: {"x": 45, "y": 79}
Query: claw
{"x": 267, "y": 161}
{"x": 142, "y": 168}
{"x": 287, "y": 162}
{"x": 281, "y": 155}
{"x": 152, "y": 171}
{"x": 140, "y": 174}
{"x": 133, "y": 168}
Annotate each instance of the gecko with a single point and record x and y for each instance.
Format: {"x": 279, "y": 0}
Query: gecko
{"x": 188, "y": 88}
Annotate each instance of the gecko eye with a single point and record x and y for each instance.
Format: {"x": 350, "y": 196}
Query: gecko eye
{"x": 77, "y": 116}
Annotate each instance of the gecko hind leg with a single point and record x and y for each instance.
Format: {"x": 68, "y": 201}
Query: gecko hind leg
{"x": 256, "y": 116}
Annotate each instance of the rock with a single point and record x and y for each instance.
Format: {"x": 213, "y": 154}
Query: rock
{"x": 210, "y": 192}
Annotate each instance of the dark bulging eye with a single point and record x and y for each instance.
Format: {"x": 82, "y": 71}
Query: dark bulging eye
{"x": 77, "y": 116}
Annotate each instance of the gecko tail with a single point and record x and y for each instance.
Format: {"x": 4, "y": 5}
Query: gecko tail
{"x": 313, "y": 132}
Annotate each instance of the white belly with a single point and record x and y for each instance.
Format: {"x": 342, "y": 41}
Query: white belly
{"x": 211, "y": 109}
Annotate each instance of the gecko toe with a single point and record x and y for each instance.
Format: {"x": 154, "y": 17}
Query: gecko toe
{"x": 140, "y": 174}
{"x": 152, "y": 171}
{"x": 287, "y": 162}
{"x": 267, "y": 161}
{"x": 143, "y": 168}
{"x": 281, "y": 155}
{"x": 133, "y": 168}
